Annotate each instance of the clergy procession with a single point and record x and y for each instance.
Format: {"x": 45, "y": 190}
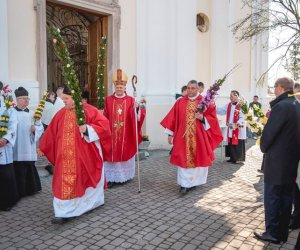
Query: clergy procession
{"x": 100, "y": 153}
{"x": 150, "y": 124}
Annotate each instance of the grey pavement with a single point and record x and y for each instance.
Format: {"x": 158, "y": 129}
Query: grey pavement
{"x": 221, "y": 214}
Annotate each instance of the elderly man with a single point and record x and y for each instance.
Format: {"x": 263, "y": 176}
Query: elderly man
{"x": 280, "y": 142}
{"x": 194, "y": 136}
{"x": 77, "y": 155}
{"x": 124, "y": 114}
{"x": 28, "y": 134}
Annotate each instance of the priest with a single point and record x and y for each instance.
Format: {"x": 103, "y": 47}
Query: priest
{"x": 124, "y": 114}
{"x": 28, "y": 134}
{"x": 236, "y": 132}
{"x": 194, "y": 136}
{"x": 77, "y": 155}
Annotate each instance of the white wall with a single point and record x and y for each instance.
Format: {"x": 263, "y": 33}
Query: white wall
{"x": 128, "y": 41}
{"x": 22, "y": 47}
{"x": 159, "y": 41}
{"x": 166, "y": 57}
{"x": 203, "y": 40}
{"x": 3, "y": 42}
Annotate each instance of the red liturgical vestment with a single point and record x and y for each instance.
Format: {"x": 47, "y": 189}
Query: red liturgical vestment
{"x": 121, "y": 115}
{"x": 77, "y": 163}
{"x": 196, "y": 147}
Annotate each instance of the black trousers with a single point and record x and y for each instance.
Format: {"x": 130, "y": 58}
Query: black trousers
{"x": 296, "y": 204}
{"x": 278, "y": 200}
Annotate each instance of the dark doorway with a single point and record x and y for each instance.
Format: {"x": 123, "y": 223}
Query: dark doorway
{"x": 81, "y": 32}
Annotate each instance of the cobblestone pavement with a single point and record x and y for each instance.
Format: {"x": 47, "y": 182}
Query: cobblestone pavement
{"x": 221, "y": 214}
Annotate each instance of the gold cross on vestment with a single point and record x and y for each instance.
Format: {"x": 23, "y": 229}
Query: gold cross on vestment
{"x": 119, "y": 111}
{"x": 118, "y": 124}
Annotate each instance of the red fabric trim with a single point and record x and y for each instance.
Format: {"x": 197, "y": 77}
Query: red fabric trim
{"x": 235, "y": 132}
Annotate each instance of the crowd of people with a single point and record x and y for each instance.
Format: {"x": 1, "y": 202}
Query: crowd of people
{"x": 280, "y": 143}
{"x": 18, "y": 174}
{"x": 101, "y": 152}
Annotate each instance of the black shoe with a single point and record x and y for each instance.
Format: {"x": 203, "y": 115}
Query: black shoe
{"x": 183, "y": 190}
{"x": 192, "y": 188}
{"x": 266, "y": 237}
{"x": 294, "y": 225}
{"x": 7, "y": 209}
{"x": 49, "y": 168}
{"x": 110, "y": 184}
{"x": 231, "y": 161}
{"x": 59, "y": 220}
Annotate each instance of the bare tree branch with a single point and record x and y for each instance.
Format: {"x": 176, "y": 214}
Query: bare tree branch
{"x": 270, "y": 16}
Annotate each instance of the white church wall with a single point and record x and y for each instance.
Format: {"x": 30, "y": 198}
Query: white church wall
{"x": 4, "y": 41}
{"x": 159, "y": 41}
{"x": 128, "y": 41}
{"x": 22, "y": 63}
{"x": 166, "y": 42}
{"x": 203, "y": 41}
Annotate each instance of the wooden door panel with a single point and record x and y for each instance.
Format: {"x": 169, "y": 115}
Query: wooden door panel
{"x": 96, "y": 30}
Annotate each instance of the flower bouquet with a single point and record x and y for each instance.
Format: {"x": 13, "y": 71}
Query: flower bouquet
{"x": 4, "y": 118}
{"x": 210, "y": 96}
{"x": 40, "y": 108}
{"x": 252, "y": 122}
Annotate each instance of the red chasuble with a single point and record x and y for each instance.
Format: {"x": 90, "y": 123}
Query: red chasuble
{"x": 77, "y": 163}
{"x": 196, "y": 148}
{"x": 121, "y": 115}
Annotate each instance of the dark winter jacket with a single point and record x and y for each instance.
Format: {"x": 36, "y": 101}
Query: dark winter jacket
{"x": 280, "y": 141}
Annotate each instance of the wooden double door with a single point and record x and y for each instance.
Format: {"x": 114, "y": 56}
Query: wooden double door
{"x": 82, "y": 32}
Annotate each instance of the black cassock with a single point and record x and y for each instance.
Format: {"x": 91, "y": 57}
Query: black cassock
{"x": 8, "y": 187}
{"x": 236, "y": 152}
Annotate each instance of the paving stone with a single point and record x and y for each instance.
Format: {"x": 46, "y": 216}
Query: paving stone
{"x": 178, "y": 245}
{"x": 102, "y": 242}
{"x": 221, "y": 244}
{"x": 67, "y": 247}
{"x": 189, "y": 247}
{"x": 211, "y": 217}
{"x": 157, "y": 241}
{"x": 117, "y": 242}
{"x": 246, "y": 247}
{"x": 79, "y": 247}
{"x": 235, "y": 243}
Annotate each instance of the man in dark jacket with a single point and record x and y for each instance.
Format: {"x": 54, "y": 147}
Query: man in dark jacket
{"x": 280, "y": 142}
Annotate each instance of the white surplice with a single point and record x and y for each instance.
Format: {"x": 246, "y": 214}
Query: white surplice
{"x": 25, "y": 146}
{"x": 6, "y": 152}
{"x": 241, "y": 121}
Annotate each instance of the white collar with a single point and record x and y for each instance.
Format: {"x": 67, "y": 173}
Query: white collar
{"x": 120, "y": 96}
{"x": 193, "y": 98}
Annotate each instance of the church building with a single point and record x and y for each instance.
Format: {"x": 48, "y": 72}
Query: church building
{"x": 165, "y": 43}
